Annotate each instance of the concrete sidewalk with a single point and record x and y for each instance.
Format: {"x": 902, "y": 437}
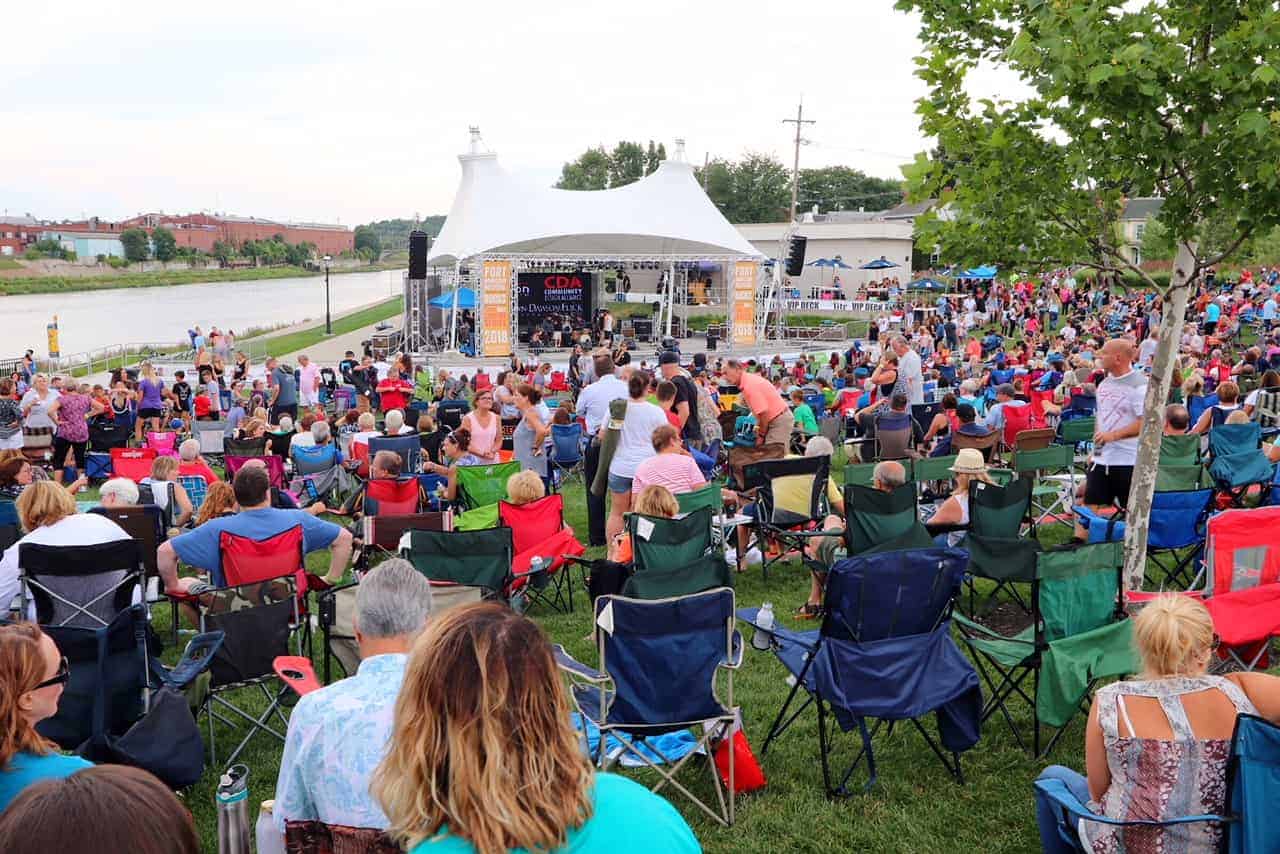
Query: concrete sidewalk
{"x": 328, "y": 352}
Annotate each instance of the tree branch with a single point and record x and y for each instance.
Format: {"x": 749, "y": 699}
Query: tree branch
{"x": 1235, "y": 244}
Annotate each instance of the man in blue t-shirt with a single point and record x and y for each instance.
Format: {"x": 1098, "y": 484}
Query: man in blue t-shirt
{"x": 284, "y": 391}
{"x": 256, "y": 520}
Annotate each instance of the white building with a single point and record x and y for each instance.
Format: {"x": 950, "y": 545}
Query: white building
{"x": 854, "y": 238}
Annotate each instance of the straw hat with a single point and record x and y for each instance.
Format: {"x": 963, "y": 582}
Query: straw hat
{"x": 969, "y": 461}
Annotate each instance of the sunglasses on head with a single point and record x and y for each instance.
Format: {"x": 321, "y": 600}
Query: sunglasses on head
{"x": 59, "y": 678}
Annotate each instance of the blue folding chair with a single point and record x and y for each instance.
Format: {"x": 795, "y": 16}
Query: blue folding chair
{"x": 313, "y": 459}
{"x": 709, "y": 460}
{"x": 817, "y": 402}
{"x": 566, "y": 450}
{"x": 1239, "y": 462}
{"x": 658, "y": 664}
{"x": 407, "y": 447}
{"x": 1253, "y": 783}
{"x": 1178, "y": 523}
{"x": 885, "y": 652}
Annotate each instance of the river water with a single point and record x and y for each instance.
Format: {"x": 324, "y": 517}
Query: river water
{"x": 92, "y": 319}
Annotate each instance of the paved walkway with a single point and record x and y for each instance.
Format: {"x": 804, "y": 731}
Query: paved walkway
{"x": 331, "y": 350}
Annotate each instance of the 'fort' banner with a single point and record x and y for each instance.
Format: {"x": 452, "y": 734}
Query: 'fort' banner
{"x": 495, "y": 308}
{"x": 744, "y": 303}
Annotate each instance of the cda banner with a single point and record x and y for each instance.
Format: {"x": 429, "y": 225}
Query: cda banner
{"x": 744, "y": 303}
{"x": 495, "y": 308}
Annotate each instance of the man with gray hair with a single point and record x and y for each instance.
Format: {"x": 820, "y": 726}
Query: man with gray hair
{"x": 191, "y": 463}
{"x": 118, "y": 492}
{"x": 888, "y": 475}
{"x": 909, "y": 369}
{"x": 339, "y": 733}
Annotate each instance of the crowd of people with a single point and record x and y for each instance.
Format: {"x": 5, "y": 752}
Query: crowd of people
{"x": 454, "y": 704}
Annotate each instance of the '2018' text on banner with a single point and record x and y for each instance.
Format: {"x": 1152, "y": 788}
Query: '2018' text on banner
{"x": 744, "y": 303}
{"x": 495, "y": 307}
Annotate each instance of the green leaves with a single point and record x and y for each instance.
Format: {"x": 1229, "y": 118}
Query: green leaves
{"x": 1255, "y": 123}
{"x": 1101, "y": 74}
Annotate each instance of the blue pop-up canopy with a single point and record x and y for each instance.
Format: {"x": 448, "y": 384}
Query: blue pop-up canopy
{"x": 466, "y": 299}
{"x": 986, "y": 271}
{"x": 926, "y": 284}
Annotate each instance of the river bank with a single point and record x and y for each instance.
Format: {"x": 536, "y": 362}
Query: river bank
{"x": 50, "y": 284}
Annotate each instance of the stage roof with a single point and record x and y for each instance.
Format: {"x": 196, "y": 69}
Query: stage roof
{"x": 665, "y": 214}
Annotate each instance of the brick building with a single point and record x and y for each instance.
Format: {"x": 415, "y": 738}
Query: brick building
{"x": 17, "y": 233}
{"x": 201, "y": 231}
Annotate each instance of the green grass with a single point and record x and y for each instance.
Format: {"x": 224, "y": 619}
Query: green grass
{"x": 9, "y": 264}
{"x": 157, "y": 278}
{"x": 915, "y": 807}
{"x": 292, "y": 342}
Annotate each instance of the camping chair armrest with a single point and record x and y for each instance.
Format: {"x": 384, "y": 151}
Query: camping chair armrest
{"x": 1060, "y": 795}
{"x": 816, "y": 533}
{"x": 974, "y": 629}
{"x": 569, "y": 664}
{"x": 195, "y": 660}
{"x": 736, "y": 651}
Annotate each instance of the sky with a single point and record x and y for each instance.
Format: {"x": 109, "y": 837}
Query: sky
{"x": 351, "y": 112}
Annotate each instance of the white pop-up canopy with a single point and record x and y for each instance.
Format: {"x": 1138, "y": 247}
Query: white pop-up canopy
{"x": 663, "y": 215}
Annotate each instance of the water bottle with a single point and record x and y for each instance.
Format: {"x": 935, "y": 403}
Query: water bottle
{"x": 270, "y": 840}
{"x": 763, "y": 637}
{"x": 233, "y": 811}
{"x": 536, "y": 565}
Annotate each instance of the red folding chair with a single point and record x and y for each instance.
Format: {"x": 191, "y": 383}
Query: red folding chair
{"x": 1242, "y": 571}
{"x": 1017, "y": 419}
{"x": 360, "y": 454}
{"x": 558, "y": 382}
{"x": 538, "y": 530}
{"x": 133, "y": 463}
{"x": 394, "y": 496}
{"x": 483, "y": 382}
{"x": 246, "y": 561}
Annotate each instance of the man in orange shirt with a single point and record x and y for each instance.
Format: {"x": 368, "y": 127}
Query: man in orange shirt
{"x": 774, "y": 421}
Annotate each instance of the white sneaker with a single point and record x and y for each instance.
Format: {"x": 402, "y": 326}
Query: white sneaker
{"x": 754, "y": 557}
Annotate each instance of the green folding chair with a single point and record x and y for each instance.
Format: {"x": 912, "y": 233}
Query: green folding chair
{"x": 1077, "y": 636}
{"x": 863, "y": 474}
{"x": 480, "y": 488}
{"x": 707, "y": 498}
{"x": 873, "y": 517}
{"x": 1052, "y": 472}
{"x": 1180, "y": 450}
{"x": 477, "y": 560}
{"x": 997, "y": 551}
{"x": 1077, "y": 432}
{"x": 1171, "y": 478}
{"x": 931, "y": 469}
{"x": 674, "y": 557}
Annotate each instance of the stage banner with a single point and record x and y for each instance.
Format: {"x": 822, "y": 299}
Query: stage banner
{"x": 495, "y": 307}
{"x": 744, "y": 303}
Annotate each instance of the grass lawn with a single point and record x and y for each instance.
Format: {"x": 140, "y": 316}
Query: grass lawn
{"x": 915, "y": 807}
{"x": 278, "y": 345}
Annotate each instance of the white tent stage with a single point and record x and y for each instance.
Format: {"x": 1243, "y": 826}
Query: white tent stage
{"x": 665, "y": 217}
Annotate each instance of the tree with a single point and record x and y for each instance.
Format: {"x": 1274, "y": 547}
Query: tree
{"x": 1157, "y": 242}
{"x": 588, "y": 172}
{"x": 223, "y": 251}
{"x": 653, "y": 157}
{"x": 367, "y": 238}
{"x": 626, "y": 164}
{"x": 1176, "y": 100}
{"x": 756, "y": 188}
{"x": 299, "y": 254}
{"x": 164, "y": 245}
{"x": 137, "y": 245}
{"x": 836, "y": 188}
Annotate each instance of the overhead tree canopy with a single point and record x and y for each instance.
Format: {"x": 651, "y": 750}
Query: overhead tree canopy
{"x": 1169, "y": 98}
{"x": 600, "y": 169}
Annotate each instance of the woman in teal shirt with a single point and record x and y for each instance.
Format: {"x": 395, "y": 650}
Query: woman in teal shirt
{"x": 483, "y": 757}
{"x": 32, "y": 675}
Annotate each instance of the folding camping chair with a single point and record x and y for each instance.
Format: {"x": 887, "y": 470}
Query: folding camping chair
{"x": 165, "y": 444}
{"x": 462, "y": 566}
{"x": 212, "y": 437}
{"x": 393, "y": 496}
{"x": 133, "y": 463}
{"x": 997, "y": 551}
{"x": 408, "y": 448}
{"x": 1077, "y": 432}
{"x": 106, "y": 434}
{"x": 1266, "y": 411}
{"x": 80, "y": 586}
{"x": 1176, "y": 532}
{"x": 318, "y": 476}
{"x": 274, "y": 465}
{"x": 932, "y": 476}
{"x": 1239, "y": 464}
{"x": 874, "y": 519}
{"x": 538, "y": 531}
{"x": 245, "y": 447}
{"x": 1242, "y": 557}
{"x": 708, "y": 459}
{"x": 658, "y": 662}
{"x": 197, "y": 489}
{"x": 1052, "y": 472}
{"x": 1181, "y": 450}
{"x": 480, "y": 488}
{"x": 884, "y": 651}
{"x": 261, "y": 621}
{"x": 1247, "y": 824}
{"x": 862, "y": 474}
{"x": 37, "y": 444}
{"x": 1078, "y": 635}
{"x": 113, "y": 669}
{"x": 450, "y": 412}
{"x": 674, "y": 557}
{"x": 145, "y": 524}
{"x": 791, "y": 503}
{"x": 566, "y": 451}
{"x": 986, "y": 444}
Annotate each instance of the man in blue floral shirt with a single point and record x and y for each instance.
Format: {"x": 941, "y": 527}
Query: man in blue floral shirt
{"x": 338, "y": 734}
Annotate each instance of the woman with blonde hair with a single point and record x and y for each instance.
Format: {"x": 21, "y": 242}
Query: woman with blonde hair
{"x": 968, "y": 468}
{"x": 483, "y": 757}
{"x": 525, "y": 487}
{"x": 48, "y": 514}
{"x": 1158, "y": 747}
{"x": 653, "y": 500}
{"x": 32, "y": 675}
{"x": 164, "y": 472}
{"x": 150, "y": 401}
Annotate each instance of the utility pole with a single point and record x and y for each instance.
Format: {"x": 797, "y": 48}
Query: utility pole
{"x": 800, "y": 121}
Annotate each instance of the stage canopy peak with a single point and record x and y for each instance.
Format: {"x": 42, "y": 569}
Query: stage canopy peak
{"x": 663, "y": 215}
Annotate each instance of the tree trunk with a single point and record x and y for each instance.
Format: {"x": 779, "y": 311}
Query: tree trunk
{"x": 1144, "y": 473}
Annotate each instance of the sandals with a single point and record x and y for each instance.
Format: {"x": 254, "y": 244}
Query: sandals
{"x": 808, "y": 611}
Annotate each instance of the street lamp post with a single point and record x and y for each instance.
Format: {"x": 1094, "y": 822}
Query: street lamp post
{"x": 328, "y": 320}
